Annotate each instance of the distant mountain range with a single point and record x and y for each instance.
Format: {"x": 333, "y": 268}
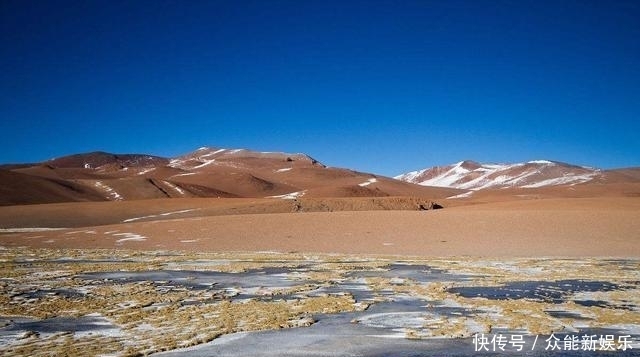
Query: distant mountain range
{"x": 217, "y": 172}
{"x": 470, "y": 175}
{"x": 473, "y": 176}
{"x": 206, "y": 172}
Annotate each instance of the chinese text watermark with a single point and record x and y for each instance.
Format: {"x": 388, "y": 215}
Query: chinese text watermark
{"x": 585, "y": 342}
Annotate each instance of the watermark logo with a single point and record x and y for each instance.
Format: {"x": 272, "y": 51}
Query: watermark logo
{"x": 518, "y": 343}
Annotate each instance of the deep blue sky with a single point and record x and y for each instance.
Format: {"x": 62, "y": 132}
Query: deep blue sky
{"x": 378, "y": 86}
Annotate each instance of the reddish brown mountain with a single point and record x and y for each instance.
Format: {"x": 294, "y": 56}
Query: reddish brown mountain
{"x": 206, "y": 172}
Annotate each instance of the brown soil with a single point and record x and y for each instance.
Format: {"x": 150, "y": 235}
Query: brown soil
{"x": 530, "y": 228}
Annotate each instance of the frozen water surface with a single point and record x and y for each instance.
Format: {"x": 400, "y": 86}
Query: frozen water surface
{"x": 393, "y": 307}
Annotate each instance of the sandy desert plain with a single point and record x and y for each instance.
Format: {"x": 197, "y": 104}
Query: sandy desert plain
{"x": 539, "y": 272}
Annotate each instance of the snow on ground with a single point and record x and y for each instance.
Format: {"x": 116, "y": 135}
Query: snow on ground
{"x": 145, "y": 170}
{"x": 462, "y": 195}
{"x": 541, "y": 162}
{"x": 368, "y": 182}
{"x": 177, "y": 163}
{"x": 185, "y": 174}
{"x": 290, "y": 196}
{"x": 175, "y": 188}
{"x": 126, "y": 237}
{"x": 111, "y": 193}
{"x": 213, "y": 153}
{"x": 572, "y": 179}
{"x": 410, "y": 176}
{"x": 159, "y": 215}
{"x": 28, "y": 230}
{"x": 448, "y": 178}
{"x": 206, "y": 163}
{"x": 285, "y": 169}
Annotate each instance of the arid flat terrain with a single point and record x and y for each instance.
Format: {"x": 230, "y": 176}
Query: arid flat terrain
{"x": 578, "y": 227}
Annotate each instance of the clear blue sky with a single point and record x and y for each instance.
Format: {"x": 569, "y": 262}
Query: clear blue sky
{"x": 378, "y": 86}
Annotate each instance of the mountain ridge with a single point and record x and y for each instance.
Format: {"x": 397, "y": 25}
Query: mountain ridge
{"x": 474, "y": 176}
{"x": 244, "y": 173}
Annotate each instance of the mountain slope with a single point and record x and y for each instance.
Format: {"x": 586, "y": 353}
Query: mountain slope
{"x": 17, "y": 188}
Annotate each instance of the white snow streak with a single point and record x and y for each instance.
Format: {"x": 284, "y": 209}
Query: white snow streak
{"x": 129, "y": 237}
{"x": 448, "y": 178}
{"x": 145, "y": 170}
{"x": 185, "y": 174}
{"x": 410, "y": 176}
{"x": 462, "y": 195}
{"x": 206, "y": 163}
{"x": 213, "y": 153}
{"x": 28, "y": 230}
{"x": 541, "y": 162}
{"x": 175, "y": 163}
{"x": 175, "y": 188}
{"x": 290, "y": 196}
{"x": 159, "y": 215}
{"x": 285, "y": 169}
{"x": 111, "y": 193}
{"x": 368, "y": 182}
{"x": 572, "y": 179}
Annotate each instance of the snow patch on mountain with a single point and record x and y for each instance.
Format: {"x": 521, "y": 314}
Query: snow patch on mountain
{"x": 570, "y": 179}
{"x": 111, "y": 193}
{"x": 368, "y": 182}
{"x": 474, "y": 176}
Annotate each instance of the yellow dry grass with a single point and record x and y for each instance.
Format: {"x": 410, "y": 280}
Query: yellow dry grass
{"x": 153, "y": 319}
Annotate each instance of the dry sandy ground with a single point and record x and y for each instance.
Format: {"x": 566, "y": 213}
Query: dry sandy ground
{"x": 580, "y": 227}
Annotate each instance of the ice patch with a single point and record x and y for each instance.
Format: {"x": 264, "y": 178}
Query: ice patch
{"x": 368, "y": 182}
{"x": 393, "y": 320}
